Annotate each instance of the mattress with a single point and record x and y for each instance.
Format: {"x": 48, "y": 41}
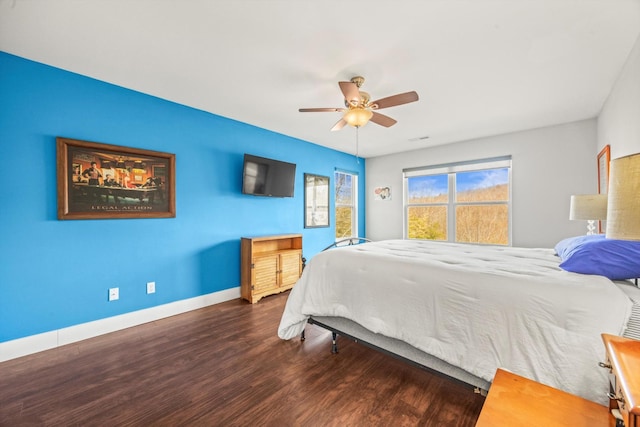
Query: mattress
{"x": 474, "y": 307}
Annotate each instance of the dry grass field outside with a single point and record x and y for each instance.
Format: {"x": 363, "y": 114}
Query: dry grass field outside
{"x": 476, "y": 222}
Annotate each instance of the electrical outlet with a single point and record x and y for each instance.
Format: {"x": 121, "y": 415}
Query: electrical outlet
{"x": 114, "y": 294}
{"x": 151, "y": 287}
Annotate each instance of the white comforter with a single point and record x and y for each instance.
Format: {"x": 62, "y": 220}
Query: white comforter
{"x": 476, "y": 307}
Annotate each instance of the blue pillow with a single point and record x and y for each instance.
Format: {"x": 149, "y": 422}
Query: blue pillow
{"x": 595, "y": 254}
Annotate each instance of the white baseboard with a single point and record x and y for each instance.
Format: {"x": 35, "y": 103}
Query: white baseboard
{"x": 48, "y": 340}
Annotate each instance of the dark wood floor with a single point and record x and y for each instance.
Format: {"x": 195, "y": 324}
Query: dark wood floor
{"x": 225, "y": 366}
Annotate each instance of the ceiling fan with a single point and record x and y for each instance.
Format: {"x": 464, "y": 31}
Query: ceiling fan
{"x": 359, "y": 108}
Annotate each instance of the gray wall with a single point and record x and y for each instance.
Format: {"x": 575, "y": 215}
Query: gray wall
{"x": 619, "y": 121}
{"x": 548, "y": 166}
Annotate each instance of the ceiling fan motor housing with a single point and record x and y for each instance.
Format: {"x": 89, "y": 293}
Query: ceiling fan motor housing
{"x": 358, "y": 80}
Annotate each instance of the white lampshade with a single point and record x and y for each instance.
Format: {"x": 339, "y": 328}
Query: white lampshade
{"x": 623, "y": 213}
{"x": 588, "y": 207}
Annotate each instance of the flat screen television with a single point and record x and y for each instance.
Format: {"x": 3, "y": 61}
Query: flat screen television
{"x": 267, "y": 177}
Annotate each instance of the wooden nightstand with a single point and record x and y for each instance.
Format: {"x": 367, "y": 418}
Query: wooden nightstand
{"x": 623, "y": 362}
{"x": 517, "y": 401}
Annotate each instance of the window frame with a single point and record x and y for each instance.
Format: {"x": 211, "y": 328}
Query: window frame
{"x": 353, "y": 205}
{"x": 451, "y": 170}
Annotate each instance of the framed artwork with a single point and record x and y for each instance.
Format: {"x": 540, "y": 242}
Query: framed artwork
{"x": 102, "y": 181}
{"x": 604, "y": 158}
{"x": 382, "y": 193}
{"x": 316, "y": 201}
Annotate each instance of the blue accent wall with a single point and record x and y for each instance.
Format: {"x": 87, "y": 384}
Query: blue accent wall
{"x": 55, "y": 274}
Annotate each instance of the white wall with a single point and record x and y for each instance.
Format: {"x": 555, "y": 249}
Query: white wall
{"x": 548, "y": 166}
{"x": 619, "y": 121}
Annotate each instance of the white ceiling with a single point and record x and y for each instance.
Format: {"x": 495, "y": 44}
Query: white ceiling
{"x": 480, "y": 67}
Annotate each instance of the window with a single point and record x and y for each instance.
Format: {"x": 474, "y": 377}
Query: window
{"x": 346, "y": 204}
{"x": 428, "y": 200}
{"x": 467, "y": 202}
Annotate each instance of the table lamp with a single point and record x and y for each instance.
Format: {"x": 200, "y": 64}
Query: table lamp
{"x": 589, "y": 207}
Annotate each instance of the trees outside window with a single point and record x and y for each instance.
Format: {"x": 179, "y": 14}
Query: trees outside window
{"x": 468, "y": 203}
{"x": 346, "y": 214}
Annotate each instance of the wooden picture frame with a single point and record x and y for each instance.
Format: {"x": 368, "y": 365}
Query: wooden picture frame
{"x": 604, "y": 159}
{"x": 103, "y": 181}
{"x": 316, "y": 201}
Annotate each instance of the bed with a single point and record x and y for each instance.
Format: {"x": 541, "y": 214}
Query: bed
{"x": 466, "y": 310}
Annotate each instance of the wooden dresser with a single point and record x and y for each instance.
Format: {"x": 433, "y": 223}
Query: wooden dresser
{"x": 623, "y": 362}
{"x": 515, "y": 401}
{"x": 269, "y": 265}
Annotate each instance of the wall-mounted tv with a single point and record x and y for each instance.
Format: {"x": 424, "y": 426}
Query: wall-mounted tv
{"x": 267, "y": 177}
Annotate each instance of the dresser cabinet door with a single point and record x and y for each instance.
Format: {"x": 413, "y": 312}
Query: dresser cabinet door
{"x": 290, "y": 266}
{"x": 265, "y": 273}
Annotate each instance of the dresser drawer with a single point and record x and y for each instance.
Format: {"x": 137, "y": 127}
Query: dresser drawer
{"x": 623, "y": 360}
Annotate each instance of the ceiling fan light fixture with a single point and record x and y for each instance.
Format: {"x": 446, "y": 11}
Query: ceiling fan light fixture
{"x": 357, "y": 117}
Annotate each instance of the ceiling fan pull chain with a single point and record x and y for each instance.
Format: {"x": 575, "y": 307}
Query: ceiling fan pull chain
{"x": 357, "y": 145}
